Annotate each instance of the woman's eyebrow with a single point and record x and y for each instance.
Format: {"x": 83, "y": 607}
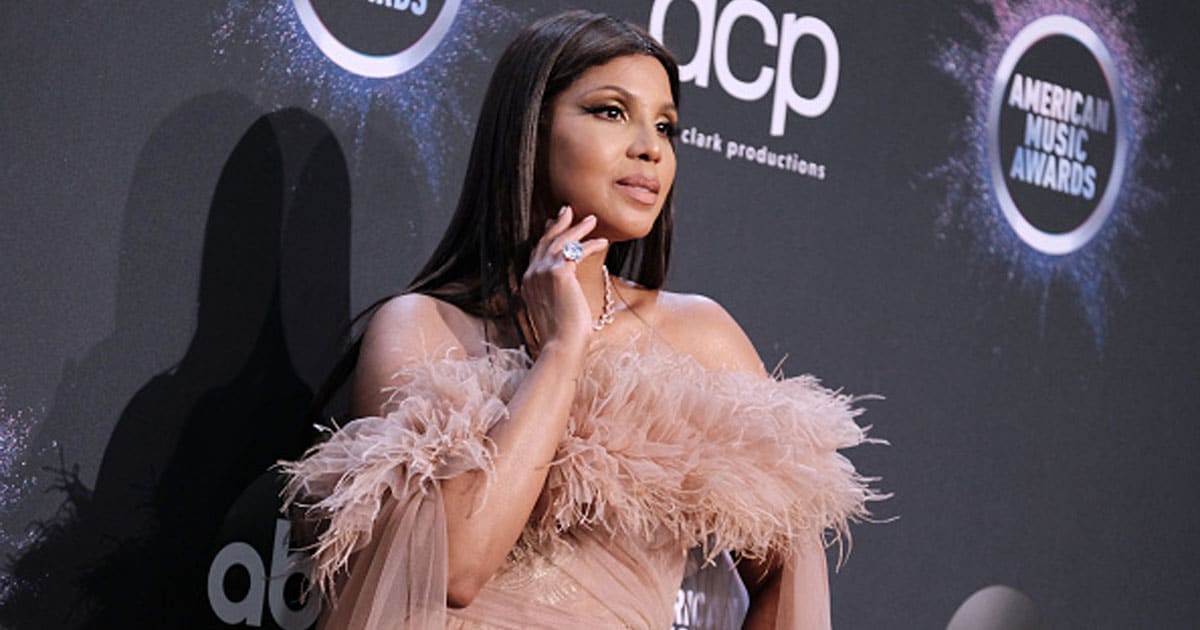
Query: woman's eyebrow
{"x": 626, "y": 94}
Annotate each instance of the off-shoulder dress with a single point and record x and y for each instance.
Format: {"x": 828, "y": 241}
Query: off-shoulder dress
{"x": 661, "y": 455}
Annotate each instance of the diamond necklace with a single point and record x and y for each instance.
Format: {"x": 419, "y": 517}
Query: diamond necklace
{"x": 610, "y": 305}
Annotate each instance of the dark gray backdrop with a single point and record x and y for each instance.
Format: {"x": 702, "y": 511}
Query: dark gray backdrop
{"x": 195, "y": 202}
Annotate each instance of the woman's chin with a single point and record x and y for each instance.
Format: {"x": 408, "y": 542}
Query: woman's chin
{"x": 629, "y": 227}
{"x": 626, "y": 233}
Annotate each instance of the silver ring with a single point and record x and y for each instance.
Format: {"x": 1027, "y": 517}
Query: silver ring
{"x": 573, "y": 251}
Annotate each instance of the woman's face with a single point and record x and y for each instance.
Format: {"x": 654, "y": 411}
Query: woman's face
{"x": 609, "y": 149}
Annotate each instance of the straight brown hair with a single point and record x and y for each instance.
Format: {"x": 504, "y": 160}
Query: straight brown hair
{"x": 486, "y": 247}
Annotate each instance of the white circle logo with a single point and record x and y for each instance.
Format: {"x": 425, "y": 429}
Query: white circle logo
{"x": 1055, "y": 145}
{"x": 377, "y": 38}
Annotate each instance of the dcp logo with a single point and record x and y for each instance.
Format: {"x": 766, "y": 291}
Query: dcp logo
{"x": 713, "y": 53}
{"x": 1056, "y": 149}
{"x": 377, "y": 38}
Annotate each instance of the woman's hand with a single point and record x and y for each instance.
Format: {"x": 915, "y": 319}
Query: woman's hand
{"x": 558, "y": 308}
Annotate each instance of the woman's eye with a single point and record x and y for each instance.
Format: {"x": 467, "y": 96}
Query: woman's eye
{"x": 609, "y": 112}
{"x": 667, "y": 129}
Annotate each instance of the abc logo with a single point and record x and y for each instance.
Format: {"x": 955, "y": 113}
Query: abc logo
{"x": 264, "y": 587}
{"x": 255, "y": 579}
{"x": 712, "y": 54}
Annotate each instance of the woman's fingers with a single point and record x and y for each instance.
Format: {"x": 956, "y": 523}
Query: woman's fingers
{"x": 563, "y": 221}
{"x": 592, "y": 246}
{"x": 553, "y": 228}
{"x": 550, "y": 286}
{"x": 574, "y": 233}
{"x": 559, "y": 232}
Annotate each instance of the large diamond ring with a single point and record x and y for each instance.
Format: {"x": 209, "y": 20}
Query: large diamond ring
{"x": 573, "y": 251}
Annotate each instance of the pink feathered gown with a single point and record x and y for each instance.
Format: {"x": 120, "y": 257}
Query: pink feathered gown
{"x": 660, "y": 455}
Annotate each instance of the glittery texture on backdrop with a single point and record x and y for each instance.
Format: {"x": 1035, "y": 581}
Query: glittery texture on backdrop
{"x": 970, "y": 211}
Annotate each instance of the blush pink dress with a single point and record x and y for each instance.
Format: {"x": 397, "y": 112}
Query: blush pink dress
{"x": 661, "y": 455}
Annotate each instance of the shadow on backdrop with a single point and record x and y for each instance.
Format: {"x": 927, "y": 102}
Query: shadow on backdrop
{"x": 135, "y": 551}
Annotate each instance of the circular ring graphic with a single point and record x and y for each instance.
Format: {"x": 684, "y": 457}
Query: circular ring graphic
{"x": 375, "y": 66}
{"x": 1039, "y": 29}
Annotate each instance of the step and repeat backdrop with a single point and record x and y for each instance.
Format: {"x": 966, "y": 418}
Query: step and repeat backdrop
{"x": 983, "y": 211}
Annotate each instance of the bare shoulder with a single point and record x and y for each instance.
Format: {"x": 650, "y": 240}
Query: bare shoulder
{"x": 421, "y": 324}
{"x": 408, "y": 329}
{"x": 699, "y": 326}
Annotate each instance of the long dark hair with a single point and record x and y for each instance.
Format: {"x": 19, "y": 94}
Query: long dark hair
{"x": 486, "y": 247}
{"x": 488, "y": 242}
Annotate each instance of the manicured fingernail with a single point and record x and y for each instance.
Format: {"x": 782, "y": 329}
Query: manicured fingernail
{"x": 591, "y": 217}
{"x": 562, "y": 210}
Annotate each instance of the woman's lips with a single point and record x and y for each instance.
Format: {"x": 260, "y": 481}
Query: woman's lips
{"x": 641, "y": 189}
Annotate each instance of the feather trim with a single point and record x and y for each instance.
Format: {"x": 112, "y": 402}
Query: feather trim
{"x": 433, "y": 426}
{"x": 657, "y": 448}
{"x": 657, "y": 444}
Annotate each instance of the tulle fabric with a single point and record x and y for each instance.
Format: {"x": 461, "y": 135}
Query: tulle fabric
{"x": 402, "y": 574}
{"x": 661, "y": 455}
{"x": 601, "y": 582}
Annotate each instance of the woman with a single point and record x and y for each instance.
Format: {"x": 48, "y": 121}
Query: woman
{"x": 542, "y": 441}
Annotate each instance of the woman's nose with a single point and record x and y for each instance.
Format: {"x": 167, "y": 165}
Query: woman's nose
{"x": 647, "y": 145}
